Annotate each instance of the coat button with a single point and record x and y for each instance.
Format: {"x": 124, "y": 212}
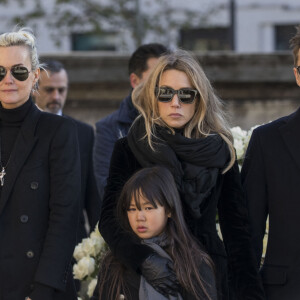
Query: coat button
{"x": 34, "y": 185}
{"x": 30, "y": 254}
{"x": 24, "y": 218}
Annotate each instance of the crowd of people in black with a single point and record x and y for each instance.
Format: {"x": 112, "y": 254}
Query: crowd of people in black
{"x": 155, "y": 175}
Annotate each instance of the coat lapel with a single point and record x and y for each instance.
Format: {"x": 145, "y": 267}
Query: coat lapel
{"x": 24, "y": 143}
{"x": 290, "y": 133}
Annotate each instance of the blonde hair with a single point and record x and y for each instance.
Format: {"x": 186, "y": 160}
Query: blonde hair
{"x": 209, "y": 116}
{"x": 22, "y": 37}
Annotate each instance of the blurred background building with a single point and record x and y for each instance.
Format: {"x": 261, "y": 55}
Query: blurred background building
{"x": 243, "y": 46}
{"x": 117, "y": 25}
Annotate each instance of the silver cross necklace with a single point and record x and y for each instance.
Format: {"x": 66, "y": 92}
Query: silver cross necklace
{"x": 2, "y": 172}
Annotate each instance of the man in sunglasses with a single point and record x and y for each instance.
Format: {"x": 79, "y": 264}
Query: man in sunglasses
{"x": 51, "y": 97}
{"x": 117, "y": 124}
{"x": 271, "y": 178}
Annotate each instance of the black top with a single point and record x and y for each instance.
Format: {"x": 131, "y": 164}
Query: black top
{"x": 10, "y": 124}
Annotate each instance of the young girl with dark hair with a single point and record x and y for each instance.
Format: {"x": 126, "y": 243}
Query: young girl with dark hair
{"x": 149, "y": 208}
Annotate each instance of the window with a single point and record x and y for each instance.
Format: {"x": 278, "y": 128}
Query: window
{"x": 213, "y": 38}
{"x": 283, "y": 33}
{"x": 94, "y": 41}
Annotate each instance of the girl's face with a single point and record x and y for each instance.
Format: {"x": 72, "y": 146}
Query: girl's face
{"x": 149, "y": 221}
{"x": 175, "y": 113}
{"x": 13, "y": 93}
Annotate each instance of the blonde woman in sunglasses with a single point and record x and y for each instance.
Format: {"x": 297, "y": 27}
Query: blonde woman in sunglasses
{"x": 182, "y": 126}
{"x": 39, "y": 179}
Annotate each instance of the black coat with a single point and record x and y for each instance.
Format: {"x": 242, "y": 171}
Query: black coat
{"x": 39, "y": 208}
{"x": 227, "y": 196}
{"x": 90, "y": 200}
{"x": 132, "y": 284}
{"x": 271, "y": 178}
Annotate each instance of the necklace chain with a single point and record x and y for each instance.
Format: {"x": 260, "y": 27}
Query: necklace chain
{"x": 2, "y": 172}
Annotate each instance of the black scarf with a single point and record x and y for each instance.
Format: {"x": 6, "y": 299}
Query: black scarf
{"x": 194, "y": 163}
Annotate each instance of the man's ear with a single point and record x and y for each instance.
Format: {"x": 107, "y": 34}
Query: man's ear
{"x": 134, "y": 80}
{"x": 297, "y": 76}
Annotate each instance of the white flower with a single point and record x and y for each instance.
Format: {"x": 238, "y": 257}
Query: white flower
{"x": 91, "y": 287}
{"x": 84, "y": 267}
{"x": 78, "y": 252}
{"x": 89, "y": 247}
{"x": 238, "y": 133}
{"x": 98, "y": 241}
{"x": 239, "y": 147}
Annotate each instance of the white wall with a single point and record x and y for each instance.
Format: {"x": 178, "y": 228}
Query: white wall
{"x": 255, "y": 23}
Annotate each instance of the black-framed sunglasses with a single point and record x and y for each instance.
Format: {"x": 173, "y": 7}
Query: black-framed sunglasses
{"x": 185, "y": 95}
{"x": 20, "y": 73}
{"x": 298, "y": 69}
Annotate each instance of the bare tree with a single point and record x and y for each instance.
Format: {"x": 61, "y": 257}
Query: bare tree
{"x": 139, "y": 17}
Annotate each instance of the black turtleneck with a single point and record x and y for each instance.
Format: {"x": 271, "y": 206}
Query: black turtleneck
{"x": 10, "y": 124}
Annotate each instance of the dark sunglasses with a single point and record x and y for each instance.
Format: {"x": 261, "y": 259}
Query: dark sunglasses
{"x": 166, "y": 94}
{"x": 21, "y": 73}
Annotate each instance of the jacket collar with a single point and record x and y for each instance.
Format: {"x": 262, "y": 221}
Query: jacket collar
{"x": 127, "y": 112}
{"x": 290, "y": 133}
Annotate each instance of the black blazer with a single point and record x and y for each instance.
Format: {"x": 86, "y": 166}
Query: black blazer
{"x": 227, "y": 196}
{"x": 90, "y": 199}
{"x": 39, "y": 208}
{"x": 271, "y": 178}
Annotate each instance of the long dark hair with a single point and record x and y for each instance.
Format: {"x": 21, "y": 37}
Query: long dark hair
{"x": 157, "y": 185}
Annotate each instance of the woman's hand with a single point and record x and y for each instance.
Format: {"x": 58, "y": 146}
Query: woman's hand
{"x": 158, "y": 272}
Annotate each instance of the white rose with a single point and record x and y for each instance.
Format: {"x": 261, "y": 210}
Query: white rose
{"x": 78, "y": 252}
{"x": 239, "y": 147}
{"x": 91, "y": 287}
{"x": 89, "y": 246}
{"x": 238, "y": 133}
{"x": 84, "y": 267}
{"x": 99, "y": 242}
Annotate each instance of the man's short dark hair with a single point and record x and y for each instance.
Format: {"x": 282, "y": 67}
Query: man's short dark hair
{"x": 53, "y": 66}
{"x": 295, "y": 45}
{"x": 138, "y": 60}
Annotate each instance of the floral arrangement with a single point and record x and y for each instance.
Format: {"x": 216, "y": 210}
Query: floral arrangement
{"x": 88, "y": 255}
{"x": 241, "y": 140}
{"x": 91, "y": 250}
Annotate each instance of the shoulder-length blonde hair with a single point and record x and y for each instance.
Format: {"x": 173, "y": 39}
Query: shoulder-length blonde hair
{"x": 208, "y": 118}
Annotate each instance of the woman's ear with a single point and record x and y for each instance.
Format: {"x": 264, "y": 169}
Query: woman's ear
{"x": 36, "y": 74}
{"x": 169, "y": 215}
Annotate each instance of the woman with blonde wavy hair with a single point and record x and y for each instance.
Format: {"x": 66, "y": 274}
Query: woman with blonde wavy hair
{"x": 182, "y": 127}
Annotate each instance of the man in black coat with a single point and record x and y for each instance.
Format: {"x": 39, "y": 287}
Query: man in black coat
{"x": 271, "y": 178}
{"x": 51, "y": 97}
{"x": 117, "y": 124}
